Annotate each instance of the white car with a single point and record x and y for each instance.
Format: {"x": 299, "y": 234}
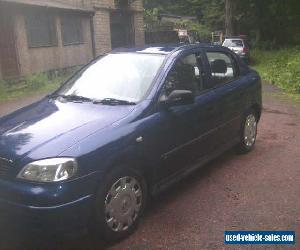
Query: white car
{"x": 238, "y": 46}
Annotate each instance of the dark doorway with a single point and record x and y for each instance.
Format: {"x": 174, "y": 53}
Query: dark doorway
{"x": 122, "y": 32}
{"x": 8, "y": 54}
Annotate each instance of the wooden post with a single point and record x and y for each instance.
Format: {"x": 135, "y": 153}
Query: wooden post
{"x": 229, "y": 17}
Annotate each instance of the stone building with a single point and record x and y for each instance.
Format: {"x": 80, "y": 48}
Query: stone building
{"x": 43, "y": 35}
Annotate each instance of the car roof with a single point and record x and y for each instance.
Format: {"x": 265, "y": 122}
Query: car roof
{"x": 234, "y": 38}
{"x": 163, "y": 49}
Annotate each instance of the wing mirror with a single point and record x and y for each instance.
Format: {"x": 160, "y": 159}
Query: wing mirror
{"x": 178, "y": 98}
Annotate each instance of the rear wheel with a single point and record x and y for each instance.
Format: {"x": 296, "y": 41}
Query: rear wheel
{"x": 120, "y": 203}
{"x": 248, "y": 133}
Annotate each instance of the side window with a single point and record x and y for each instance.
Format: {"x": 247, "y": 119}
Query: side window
{"x": 223, "y": 68}
{"x": 186, "y": 74}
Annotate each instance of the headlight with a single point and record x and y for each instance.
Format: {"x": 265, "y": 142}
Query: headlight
{"x": 49, "y": 170}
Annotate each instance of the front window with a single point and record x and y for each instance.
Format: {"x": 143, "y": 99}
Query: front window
{"x": 125, "y": 77}
{"x": 186, "y": 74}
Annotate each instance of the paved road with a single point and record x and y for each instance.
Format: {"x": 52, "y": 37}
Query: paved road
{"x": 258, "y": 191}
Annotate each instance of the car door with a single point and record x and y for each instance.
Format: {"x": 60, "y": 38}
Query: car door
{"x": 230, "y": 94}
{"x": 206, "y": 111}
{"x": 179, "y": 120}
{"x": 192, "y": 126}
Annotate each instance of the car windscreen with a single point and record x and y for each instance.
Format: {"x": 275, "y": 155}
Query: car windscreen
{"x": 233, "y": 43}
{"x": 124, "y": 76}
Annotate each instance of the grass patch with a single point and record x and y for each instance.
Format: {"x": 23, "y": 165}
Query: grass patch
{"x": 41, "y": 83}
{"x": 280, "y": 68}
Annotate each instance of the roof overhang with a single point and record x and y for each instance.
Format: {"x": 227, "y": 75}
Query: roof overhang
{"x": 49, "y": 4}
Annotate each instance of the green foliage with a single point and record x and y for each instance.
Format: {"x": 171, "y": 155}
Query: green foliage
{"x": 202, "y": 31}
{"x": 280, "y": 67}
{"x": 268, "y": 23}
{"x": 152, "y": 23}
{"x": 34, "y": 84}
{"x": 36, "y": 81}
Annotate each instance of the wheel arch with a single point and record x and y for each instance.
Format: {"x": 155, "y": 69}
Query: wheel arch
{"x": 257, "y": 109}
{"x": 133, "y": 163}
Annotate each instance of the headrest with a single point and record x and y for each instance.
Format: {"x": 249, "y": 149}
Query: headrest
{"x": 191, "y": 60}
{"x": 219, "y": 66}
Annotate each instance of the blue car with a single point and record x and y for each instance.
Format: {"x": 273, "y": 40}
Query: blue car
{"x": 123, "y": 128}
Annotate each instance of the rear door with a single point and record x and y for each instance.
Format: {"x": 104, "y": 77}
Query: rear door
{"x": 206, "y": 111}
{"x": 230, "y": 91}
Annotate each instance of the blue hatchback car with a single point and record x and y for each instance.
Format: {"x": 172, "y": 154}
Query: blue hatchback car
{"x": 124, "y": 127}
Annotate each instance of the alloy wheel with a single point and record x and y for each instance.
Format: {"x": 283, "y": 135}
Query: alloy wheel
{"x": 123, "y": 204}
{"x": 250, "y": 130}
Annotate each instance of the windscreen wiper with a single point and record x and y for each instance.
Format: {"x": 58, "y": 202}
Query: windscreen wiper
{"x": 113, "y": 101}
{"x": 73, "y": 98}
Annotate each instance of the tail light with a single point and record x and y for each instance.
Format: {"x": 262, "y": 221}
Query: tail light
{"x": 245, "y": 50}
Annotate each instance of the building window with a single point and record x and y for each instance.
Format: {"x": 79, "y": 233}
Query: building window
{"x": 41, "y": 30}
{"x": 71, "y": 27}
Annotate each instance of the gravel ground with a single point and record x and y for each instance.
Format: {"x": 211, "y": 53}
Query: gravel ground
{"x": 9, "y": 106}
{"x": 258, "y": 191}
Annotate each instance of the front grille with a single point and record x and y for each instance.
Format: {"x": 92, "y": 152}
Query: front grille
{"x": 5, "y": 165}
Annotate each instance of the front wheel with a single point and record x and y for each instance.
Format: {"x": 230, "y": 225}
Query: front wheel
{"x": 248, "y": 133}
{"x": 120, "y": 203}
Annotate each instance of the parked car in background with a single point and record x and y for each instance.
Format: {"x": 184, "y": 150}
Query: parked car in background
{"x": 238, "y": 46}
{"x": 126, "y": 126}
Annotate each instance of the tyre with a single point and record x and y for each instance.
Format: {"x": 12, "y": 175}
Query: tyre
{"x": 120, "y": 203}
{"x": 248, "y": 133}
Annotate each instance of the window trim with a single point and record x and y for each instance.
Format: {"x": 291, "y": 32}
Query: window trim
{"x": 181, "y": 56}
{"x": 30, "y": 44}
{"x": 233, "y": 59}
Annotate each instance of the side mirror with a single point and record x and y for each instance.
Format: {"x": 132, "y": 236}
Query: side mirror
{"x": 178, "y": 98}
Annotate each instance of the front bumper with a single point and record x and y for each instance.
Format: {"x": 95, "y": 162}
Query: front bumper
{"x": 63, "y": 207}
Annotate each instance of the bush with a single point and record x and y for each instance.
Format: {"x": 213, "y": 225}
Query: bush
{"x": 36, "y": 81}
{"x": 2, "y": 89}
{"x": 279, "y": 67}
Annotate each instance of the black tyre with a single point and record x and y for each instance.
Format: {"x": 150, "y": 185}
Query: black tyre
{"x": 120, "y": 202}
{"x": 248, "y": 133}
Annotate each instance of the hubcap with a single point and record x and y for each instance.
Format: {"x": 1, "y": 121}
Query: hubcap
{"x": 123, "y": 203}
{"x": 250, "y": 130}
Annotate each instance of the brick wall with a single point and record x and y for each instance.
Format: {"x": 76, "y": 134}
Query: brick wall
{"x": 137, "y": 5}
{"x": 139, "y": 29}
{"x": 42, "y": 59}
{"x": 34, "y": 60}
{"x": 102, "y": 35}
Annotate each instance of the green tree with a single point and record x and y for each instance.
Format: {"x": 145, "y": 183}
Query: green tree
{"x": 272, "y": 22}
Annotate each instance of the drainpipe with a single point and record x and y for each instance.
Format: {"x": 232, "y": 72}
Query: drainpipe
{"x": 93, "y": 35}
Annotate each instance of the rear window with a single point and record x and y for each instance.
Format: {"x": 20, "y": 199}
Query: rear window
{"x": 233, "y": 43}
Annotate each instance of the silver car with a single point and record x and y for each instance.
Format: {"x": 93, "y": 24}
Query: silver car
{"x": 238, "y": 46}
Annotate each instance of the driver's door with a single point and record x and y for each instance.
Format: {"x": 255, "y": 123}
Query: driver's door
{"x": 179, "y": 121}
